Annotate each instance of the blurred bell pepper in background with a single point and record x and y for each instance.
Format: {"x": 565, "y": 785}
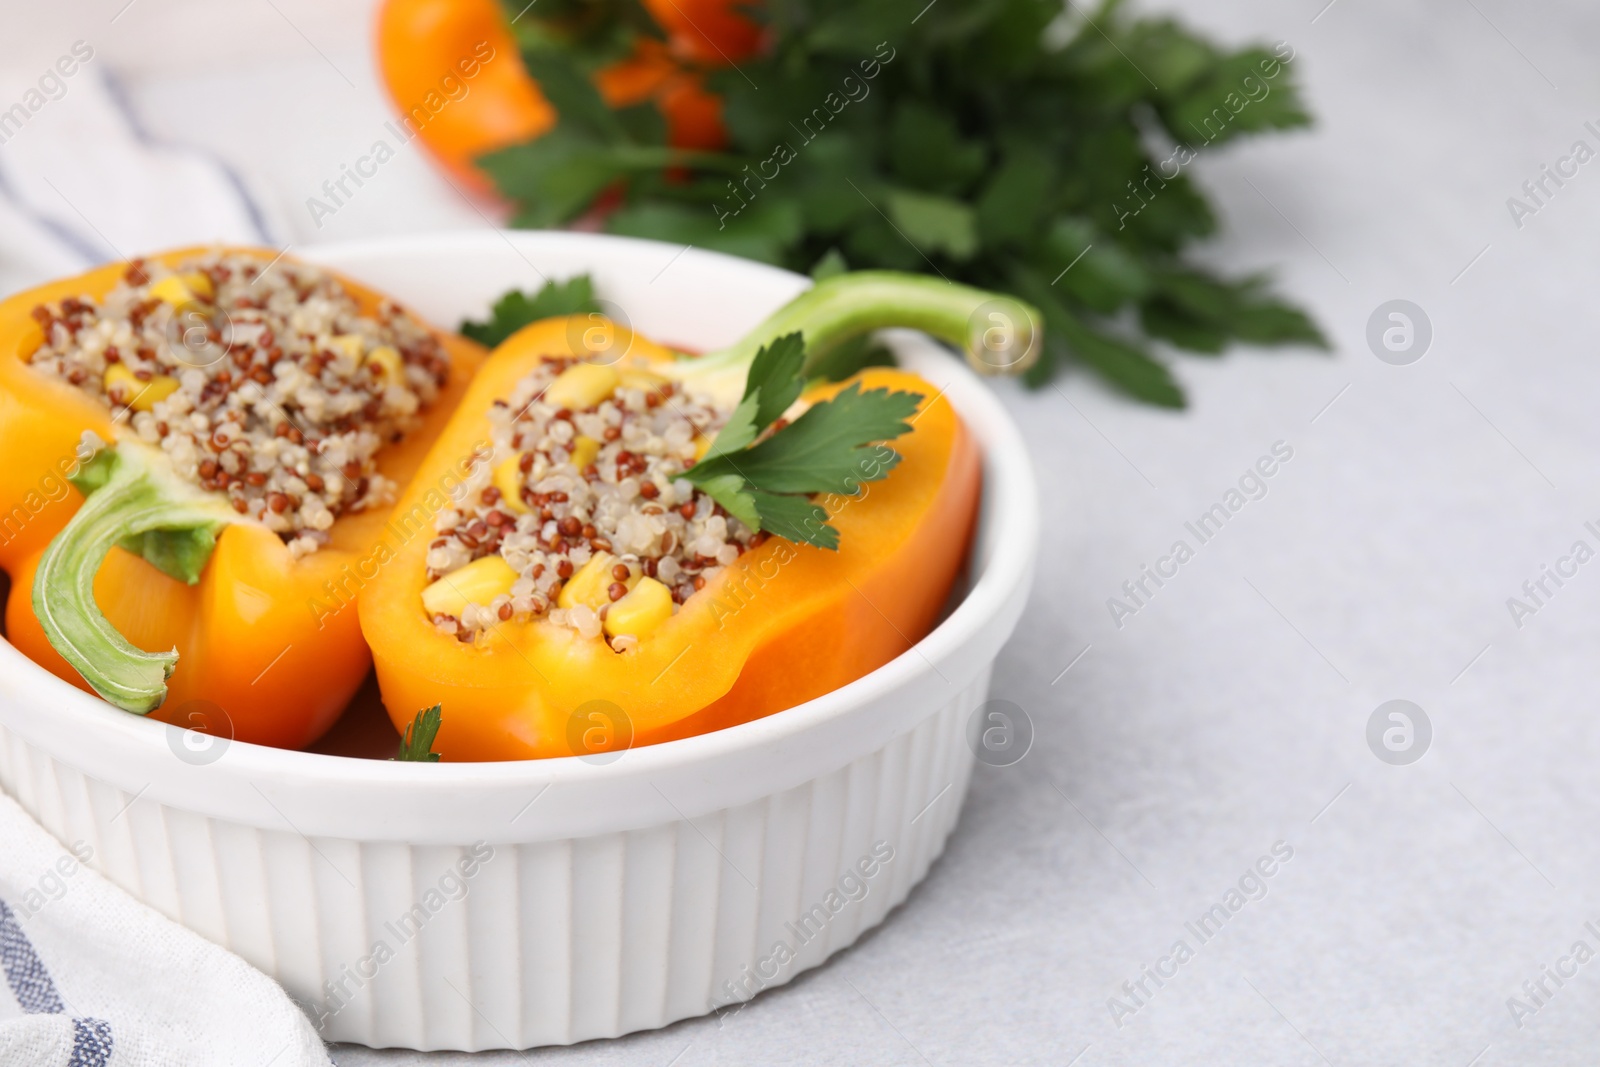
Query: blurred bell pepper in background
{"x": 429, "y": 49}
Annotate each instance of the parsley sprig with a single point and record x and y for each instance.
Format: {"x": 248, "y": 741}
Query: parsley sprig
{"x": 416, "y": 744}
{"x": 766, "y": 480}
{"x": 516, "y": 309}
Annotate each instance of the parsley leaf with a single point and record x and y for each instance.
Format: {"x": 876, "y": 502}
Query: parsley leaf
{"x": 828, "y": 449}
{"x": 566, "y": 85}
{"x": 797, "y": 519}
{"x": 775, "y": 377}
{"x": 416, "y": 744}
{"x": 772, "y": 383}
{"x": 835, "y": 446}
{"x": 517, "y": 309}
{"x": 1123, "y": 363}
{"x": 740, "y": 429}
{"x": 729, "y": 490}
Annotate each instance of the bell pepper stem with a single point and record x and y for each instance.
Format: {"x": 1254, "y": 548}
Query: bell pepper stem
{"x": 998, "y": 334}
{"x": 133, "y": 500}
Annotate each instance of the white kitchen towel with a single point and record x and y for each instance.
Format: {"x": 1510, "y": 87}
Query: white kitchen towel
{"x": 93, "y": 978}
{"x": 83, "y": 183}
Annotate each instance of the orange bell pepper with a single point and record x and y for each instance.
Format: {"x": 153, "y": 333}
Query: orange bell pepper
{"x": 428, "y": 47}
{"x": 714, "y": 33}
{"x": 453, "y": 70}
{"x": 782, "y": 624}
{"x": 259, "y": 637}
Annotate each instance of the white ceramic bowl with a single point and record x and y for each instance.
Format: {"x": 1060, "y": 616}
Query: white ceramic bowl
{"x": 596, "y": 899}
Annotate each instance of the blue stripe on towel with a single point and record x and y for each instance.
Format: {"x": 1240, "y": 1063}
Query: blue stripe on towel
{"x": 25, "y": 972}
{"x": 91, "y": 1043}
{"x": 84, "y": 249}
{"x": 36, "y": 992}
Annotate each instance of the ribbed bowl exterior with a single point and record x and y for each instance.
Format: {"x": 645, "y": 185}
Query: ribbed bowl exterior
{"x": 535, "y": 943}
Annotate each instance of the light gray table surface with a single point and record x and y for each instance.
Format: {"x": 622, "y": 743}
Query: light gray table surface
{"x": 1230, "y": 713}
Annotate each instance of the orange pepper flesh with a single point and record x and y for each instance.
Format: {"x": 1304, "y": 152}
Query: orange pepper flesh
{"x": 783, "y": 624}
{"x": 259, "y": 636}
{"x": 422, "y": 43}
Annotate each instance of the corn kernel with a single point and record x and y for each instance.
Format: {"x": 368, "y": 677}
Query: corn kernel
{"x": 173, "y": 290}
{"x": 350, "y": 344}
{"x": 580, "y": 386}
{"x": 478, "y": 582}
{"x": 584, "y": 451}
{"x": 386, "y": 358}
{"x": 646, "y": 607}
{"x": 32, "y": 340}
{"x": 702, "y": 445}
{"x": 199, "y": 283}
{"x": 590, "y": 585}
{"x": 507, "y": 478}
{"x": 138, "y": 395}
{"x": 633, "y": 378}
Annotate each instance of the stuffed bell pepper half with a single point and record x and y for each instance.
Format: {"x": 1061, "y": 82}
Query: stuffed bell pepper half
{"x": 200, "y": 450}
{"x": 628, "y": 545}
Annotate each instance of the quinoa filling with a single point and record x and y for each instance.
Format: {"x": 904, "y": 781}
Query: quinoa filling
{"x": 582, "y": 502}
{"x": 266, "y": 383}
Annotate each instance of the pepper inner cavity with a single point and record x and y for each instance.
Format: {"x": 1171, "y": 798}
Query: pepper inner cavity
{"x": 583, "y": 517}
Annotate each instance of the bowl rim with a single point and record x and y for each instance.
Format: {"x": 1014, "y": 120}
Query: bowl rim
{"x": 1009, "y": 504}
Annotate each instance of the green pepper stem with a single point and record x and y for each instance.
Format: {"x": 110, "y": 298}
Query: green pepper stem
{"x": 999, "y": 334}
{"x": 133, "y": 499}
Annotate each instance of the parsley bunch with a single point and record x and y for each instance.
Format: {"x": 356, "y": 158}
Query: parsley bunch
{"x": 1008, "y": 144}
